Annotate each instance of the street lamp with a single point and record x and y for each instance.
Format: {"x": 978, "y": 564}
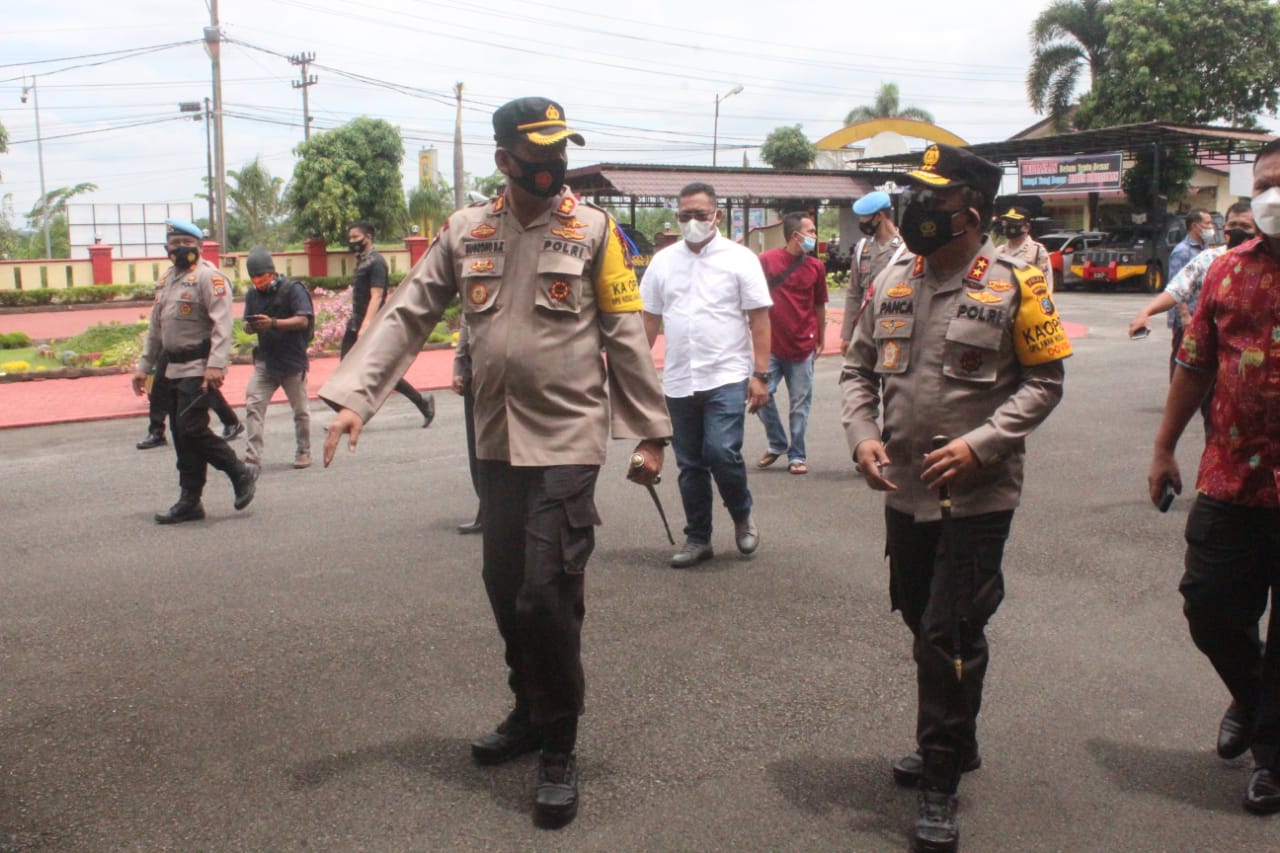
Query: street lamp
{"x": 44, "y": 198}
{"x": 194, "y": 107}
{"x": 715, "y": 135}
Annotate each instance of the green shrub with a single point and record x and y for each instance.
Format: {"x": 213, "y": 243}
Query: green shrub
{"x": 101, "y": 338}
{"x": 78, "y": 295}
{"x": 15, "y": 340}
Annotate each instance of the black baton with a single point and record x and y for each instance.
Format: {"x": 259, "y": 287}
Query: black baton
{"x": 637, "y": 461}
{"x": 949, "y": 549}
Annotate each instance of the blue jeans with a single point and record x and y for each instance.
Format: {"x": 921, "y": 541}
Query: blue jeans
{"x": 707, "y": 440}
{"x": 799, "y": 377}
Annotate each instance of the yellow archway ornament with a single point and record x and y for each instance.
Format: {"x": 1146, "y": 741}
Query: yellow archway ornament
{"x": 846, "y": 136}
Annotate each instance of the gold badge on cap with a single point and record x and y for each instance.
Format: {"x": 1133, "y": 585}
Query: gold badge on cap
{"x": 553, "y": 114}
{"x": 931, "y": 155}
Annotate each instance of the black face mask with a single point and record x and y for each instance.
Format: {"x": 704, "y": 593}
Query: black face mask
{"x": 927, "y": 231}
{"x": 868, "y": 227}
{"x": 356, "y": 245}
{"x": 1237, "y": 237}
{"x": 184, "y": 257}
{"x": 1013, "y": 232}
{"x": 542, "y": 178}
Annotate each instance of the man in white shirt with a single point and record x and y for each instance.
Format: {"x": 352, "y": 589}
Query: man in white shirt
{"x": 710, "y": 298}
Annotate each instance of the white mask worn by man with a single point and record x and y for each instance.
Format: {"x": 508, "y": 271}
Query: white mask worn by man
{"x": 1266, "y": 212}
{"x": 695, "y": 231}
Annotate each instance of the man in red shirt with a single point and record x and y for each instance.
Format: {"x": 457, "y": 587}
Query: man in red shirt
{"x": 1233, "y": 529}
{"x": 798, "y": 320}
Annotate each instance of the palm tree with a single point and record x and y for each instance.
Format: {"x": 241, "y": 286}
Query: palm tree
{"x": 1067, "y": 36}
{"x": 886, "y": 106}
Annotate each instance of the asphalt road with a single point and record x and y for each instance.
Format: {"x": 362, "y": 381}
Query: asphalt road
{"x": 306, "y": 675}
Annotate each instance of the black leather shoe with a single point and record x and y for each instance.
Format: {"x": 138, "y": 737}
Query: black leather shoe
{"x": 231, "y": 431}
{"x": 746, "y": 536}
{"x": 514, "y": 737}
{"x": 556, "y": 802}
{"x": 153, "y": 439}
{"x": 1235, "y": 732}
{"x": 937, "y": 830}
{"x": 908, "y": 769}
{"x": 245, "y": 483}
{"x": 471, "y": 527}
{"x": 428, "y": 409}
{"x": 1262, "y": 796}
{"x": 188, "y": 508}
{"x": 690, "y": 554}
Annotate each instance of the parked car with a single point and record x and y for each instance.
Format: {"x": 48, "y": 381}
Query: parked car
{"x": 1062, "y": 246}
{"x": 1131, "y": 254}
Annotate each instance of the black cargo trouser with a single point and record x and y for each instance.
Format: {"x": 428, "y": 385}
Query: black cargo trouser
{"x": 539, "y": 532}
{"x": 196, "y": 445}
{"x": 158, "y": 404}
{"x": 1232, "y": 567}
{"x": 934, "y": 591}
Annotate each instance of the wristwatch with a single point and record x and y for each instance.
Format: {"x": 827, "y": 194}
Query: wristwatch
{"x": 761, "y": 375}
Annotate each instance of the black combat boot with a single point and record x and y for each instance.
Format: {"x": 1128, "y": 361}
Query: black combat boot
{"x": 937, "y": 829}
{"x": 556, "y": 802}
{"x": 514, "y": 736}
{"x": 153, "y": 439}
{"x": 188, "y": 508}
{"x": 245, "y": 481}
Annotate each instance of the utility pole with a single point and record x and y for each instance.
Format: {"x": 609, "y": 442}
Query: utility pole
{"x": 44, "y": 196}
{"x": 459, "y": 191}
{"x": 307, "y": 81}
{"x": 213, "y": 47}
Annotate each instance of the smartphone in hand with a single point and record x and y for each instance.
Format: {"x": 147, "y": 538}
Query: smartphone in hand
{"x": 1166, "y": 497}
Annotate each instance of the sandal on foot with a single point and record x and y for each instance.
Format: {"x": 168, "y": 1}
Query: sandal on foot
{"x": 798, "y": 468}
{"x": 768, "y": 459}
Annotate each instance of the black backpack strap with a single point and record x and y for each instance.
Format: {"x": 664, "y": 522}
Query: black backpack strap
{"x": 779, "y": 278}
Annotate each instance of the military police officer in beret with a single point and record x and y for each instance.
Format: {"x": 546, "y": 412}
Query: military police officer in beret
{"x": 191, "y": 328}
{"x": 964, "y": 349}
{"x": 546, "y": 283}
{"x": 880, "y": 246}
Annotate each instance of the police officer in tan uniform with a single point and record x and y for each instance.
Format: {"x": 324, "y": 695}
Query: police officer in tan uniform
{"x": 880, "y": 245}
{"x": 1016, "y": 225}
{"x": 965, "y": 343}
{"x": 191, "y": 328}
{"x": 545, "y": 284}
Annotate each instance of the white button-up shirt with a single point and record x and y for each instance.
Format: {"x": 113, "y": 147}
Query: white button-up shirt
{"x": 703, "y": 298}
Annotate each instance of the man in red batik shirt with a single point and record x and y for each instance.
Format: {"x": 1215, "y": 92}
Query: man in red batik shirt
{"x": 1233, "y": 529}
{"x": 798, "y": 322}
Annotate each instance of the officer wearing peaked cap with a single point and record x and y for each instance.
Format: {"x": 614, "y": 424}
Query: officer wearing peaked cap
{"x": 190, "y": 329}
{"x": 962, "y": 343}
{"x": 545, "y": 283}
{"x": 1016, "y": 225}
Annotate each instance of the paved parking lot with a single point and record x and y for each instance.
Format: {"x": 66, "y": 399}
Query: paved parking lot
{"x": 306, "y": 675}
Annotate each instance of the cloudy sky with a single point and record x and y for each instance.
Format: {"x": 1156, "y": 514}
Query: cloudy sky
{"x": 639, "y": 79}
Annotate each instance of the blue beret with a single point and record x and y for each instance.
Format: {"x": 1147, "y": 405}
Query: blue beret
{"x": 871, "y": 203}
{"x": 181, "y": 226}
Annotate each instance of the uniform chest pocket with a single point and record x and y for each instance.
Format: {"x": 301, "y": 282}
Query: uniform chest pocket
{"x": 481, "y": 281}
{"x": 185, "y": 310}
{"x": 559, "y": 283}
{"x": 973, "y": 350}
{"x": 893, "y": 344}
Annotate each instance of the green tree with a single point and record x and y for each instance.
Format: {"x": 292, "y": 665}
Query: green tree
{"x": 886, "y": 106}
{"x": 788, "y": 148}
{"x": 1067, "y": 38}
{"x": 430, "y": 205}
{"x": 1189, "y": 61}
{"x": 256, "y": 209}
{"x": 347, "y": 174}
{"x": 4, "y": 143}
{"x": 51, "y": 210}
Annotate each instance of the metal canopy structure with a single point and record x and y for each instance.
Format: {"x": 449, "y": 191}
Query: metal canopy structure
{"x": 1204, "y": 143}
{"x": 656, "y": 186}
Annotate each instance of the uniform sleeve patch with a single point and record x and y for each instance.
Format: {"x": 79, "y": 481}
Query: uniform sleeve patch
{"x": 1038, "y": 336}
{"x": 617, "y": 291}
